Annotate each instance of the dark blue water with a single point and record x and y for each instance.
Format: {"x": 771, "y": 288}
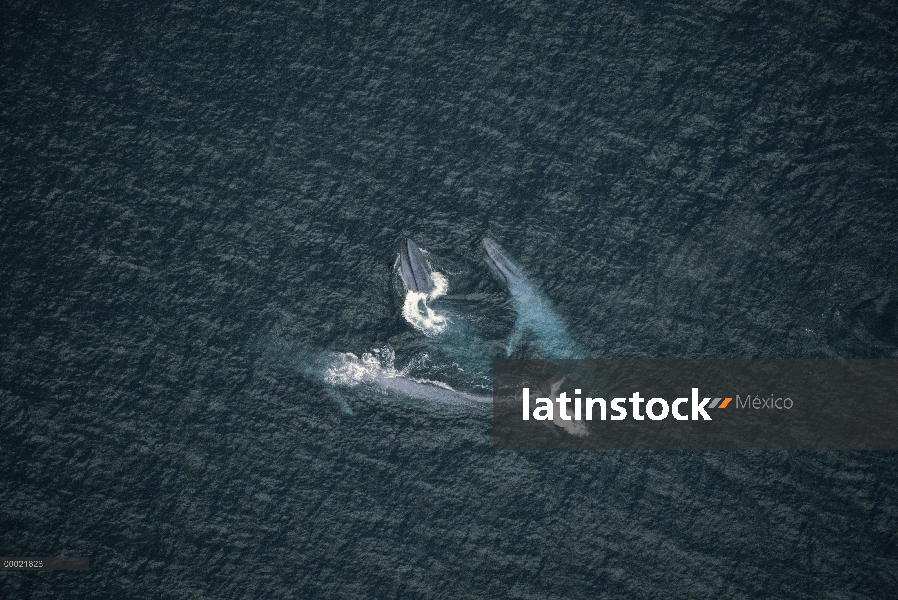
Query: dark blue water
{"x": 180, "y": 181}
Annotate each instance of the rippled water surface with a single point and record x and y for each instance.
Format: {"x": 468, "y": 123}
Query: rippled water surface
{"x": 186, "y": 186}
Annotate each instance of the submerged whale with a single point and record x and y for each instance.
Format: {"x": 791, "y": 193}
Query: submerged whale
{"x": 414, "y": 269}
{"x": 536, "y": 314}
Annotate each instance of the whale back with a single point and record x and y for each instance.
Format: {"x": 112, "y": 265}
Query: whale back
{"x": 414, "y": 269}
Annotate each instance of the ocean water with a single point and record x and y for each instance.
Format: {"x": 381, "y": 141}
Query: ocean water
{"x": 183, "y": 183}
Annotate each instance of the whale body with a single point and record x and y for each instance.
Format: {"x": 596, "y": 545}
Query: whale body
{"x": 340, "y": 371}
{"x": 417, "y": 276}
{"x": 536, "y": 314}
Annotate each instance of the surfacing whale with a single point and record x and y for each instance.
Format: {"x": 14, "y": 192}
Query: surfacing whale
{"x": 339, "y": 371}
{"x": 422, "y": 284}
{"x": 414, "y": 268}
{"x": 455, "y": 346}
{"x": 536, "y": 314}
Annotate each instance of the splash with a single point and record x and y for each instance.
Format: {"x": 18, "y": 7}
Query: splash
{"x": 420, "y": 315}
{"x": 339, "y": 371}
{"x": 461, "y": 355}
{"x": 378, "y": 368}
{"x": 347, "y": 369}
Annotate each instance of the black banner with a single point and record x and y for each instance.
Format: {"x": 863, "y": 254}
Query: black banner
{"x": 695, "y": 404}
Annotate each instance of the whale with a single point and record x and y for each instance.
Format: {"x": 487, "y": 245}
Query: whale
{"x": 448, "y": 332}
{"x": 422, "y": 390}
{"x": 416, "y": 273}
{"x": 338, "y": 372}
{"x": 535, "y": 313}
{"x": 346, "y": 370}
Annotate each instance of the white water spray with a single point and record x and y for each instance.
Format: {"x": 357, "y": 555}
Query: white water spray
{"x": 347, "y": 369}
{"x": 377, "y": 368}
{"x": 419, "y": 314}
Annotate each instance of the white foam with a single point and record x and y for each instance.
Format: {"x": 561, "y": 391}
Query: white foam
{"x": 378, "y": 368}
{"x": 347, "y": 369}
{"x": 419, "y": 314}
